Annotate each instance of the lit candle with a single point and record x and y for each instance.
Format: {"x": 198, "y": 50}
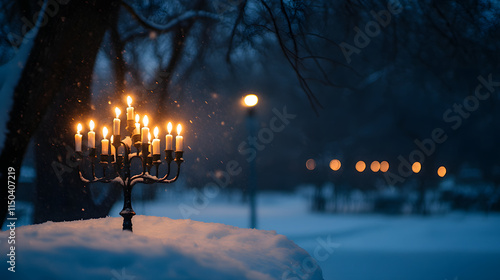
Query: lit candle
{"x": 113, "y": 149}
{"x": 130, "y": 109}
{"x": 149, "y": 143}
{"x": 156, "y": 142}
{"x": 78, "y": 138}
{"x": 179, "y": 140}
{"x": 145, "y": 130}
{"x": 116, "y": 122}
{"x": 137, "y": 129}
{"x": 169, "y": 137}
{"x": 91, "y": 136}
{"x": 104, "y": 142}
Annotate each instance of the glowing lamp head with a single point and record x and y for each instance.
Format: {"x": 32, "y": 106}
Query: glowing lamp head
{"x": 156, "y": 132}
{"x": 117, "y": 112}
{"x": 129, "y": 101}
{"x": 250, "y": 100}
{"x": 79, "y": 128}
{"x": 104, "y": 132}
{"x": 179, "y": 129}
{"x": 169, "y": 127}
{"x": 145, "y": 121}
{"x": 92, "y": 125}
{"x": 137, "y": 118}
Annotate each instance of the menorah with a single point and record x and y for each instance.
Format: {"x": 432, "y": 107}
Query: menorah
{"x": 120, "y": 160}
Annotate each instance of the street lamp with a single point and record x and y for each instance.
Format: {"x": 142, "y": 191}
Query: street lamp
{"x": 250, "y": 101}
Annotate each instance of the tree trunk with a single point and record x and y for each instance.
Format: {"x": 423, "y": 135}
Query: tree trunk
{"x": 51, "y": 96}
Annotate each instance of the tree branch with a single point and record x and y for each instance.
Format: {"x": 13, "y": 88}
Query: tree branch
{"x": 171, "y": 24}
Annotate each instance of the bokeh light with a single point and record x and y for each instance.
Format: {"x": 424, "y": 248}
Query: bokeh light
{"x": 335, "y": 164}
{"x": 384, "y": 166}
{"x": 441, "y": 171}
{"x": 375, "y": 166}
{"x": 310, "y": 164}
{"x": 360, "y": 166}
{"x": 416, "y": 167}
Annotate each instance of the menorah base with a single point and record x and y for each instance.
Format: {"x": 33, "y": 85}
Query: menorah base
{"x": 127, "y": 215}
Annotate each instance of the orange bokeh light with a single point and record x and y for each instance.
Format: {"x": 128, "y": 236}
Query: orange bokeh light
{"x": 335, "y": 164}
{"x": 375, "y": 166}
{"x": 384, "y": 166}
{"x": 416, "y": 167}
{"x": 360, "y": 166}
{"x": 441, "y": 171}
{"x": 310, "y": 164}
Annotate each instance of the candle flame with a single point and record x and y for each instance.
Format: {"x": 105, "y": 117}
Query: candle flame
{"x": 118, "y": 112}
{"x": 145, "y": 120}
{"x": 92, "y": 125}
{"x": 149, "y": 136}
{"x": 111, "y": 139}
{"x": 156, "y": 132}
{"x": 129, "y": 101}
{"x": 169, "y": 127}
{"x": 179, "y": 129}
{"x": 137, "y": 118}
{"x": 79, "y": 128}
{"x": 104, "y": 132}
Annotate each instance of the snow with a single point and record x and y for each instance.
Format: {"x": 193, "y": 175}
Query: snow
{"x": 456, "y": 245}
{"x": 159, "y": 248}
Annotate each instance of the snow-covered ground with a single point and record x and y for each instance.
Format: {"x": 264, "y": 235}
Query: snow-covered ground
{"x": 346, "y": 246}
{"x": 159, "y": 248}
{"x": 367, "y": 246}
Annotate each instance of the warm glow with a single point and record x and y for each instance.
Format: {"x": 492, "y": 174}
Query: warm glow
{"x": 145, "y": 121}
{"x": 137, "y": 118}
{"x": 79, "y": 128}
{"x": 179, "y": 129}
{"x": 92, "y": 125}
{"x": 104, "y": 132}
{"x": 360, "y": 166}
{"x": 156, "y": 132}
{"x": 416, "y": 167}
{"x": 384, "y": 166}
{"x": 441, "y": 171}
{"x": 117, "y": 112}
{"x": 375, "y": 166}
{"x": 335, "y": 164}
{"x": 250, "y": 100}
{"x": 149, "y": 136}
{"x": 310, "y": 164}
{"x": 129, "y": 101}
{"x": 169, "y": 127}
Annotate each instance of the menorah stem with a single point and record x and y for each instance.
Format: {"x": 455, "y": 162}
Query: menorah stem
{"x": 127, "y": 212}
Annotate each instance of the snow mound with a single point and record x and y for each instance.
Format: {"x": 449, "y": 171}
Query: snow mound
{"x": 159, "y": 248}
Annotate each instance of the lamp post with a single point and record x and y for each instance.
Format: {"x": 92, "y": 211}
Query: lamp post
{"x": 117, "y": 167}
{"x": 250, "y": 101}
